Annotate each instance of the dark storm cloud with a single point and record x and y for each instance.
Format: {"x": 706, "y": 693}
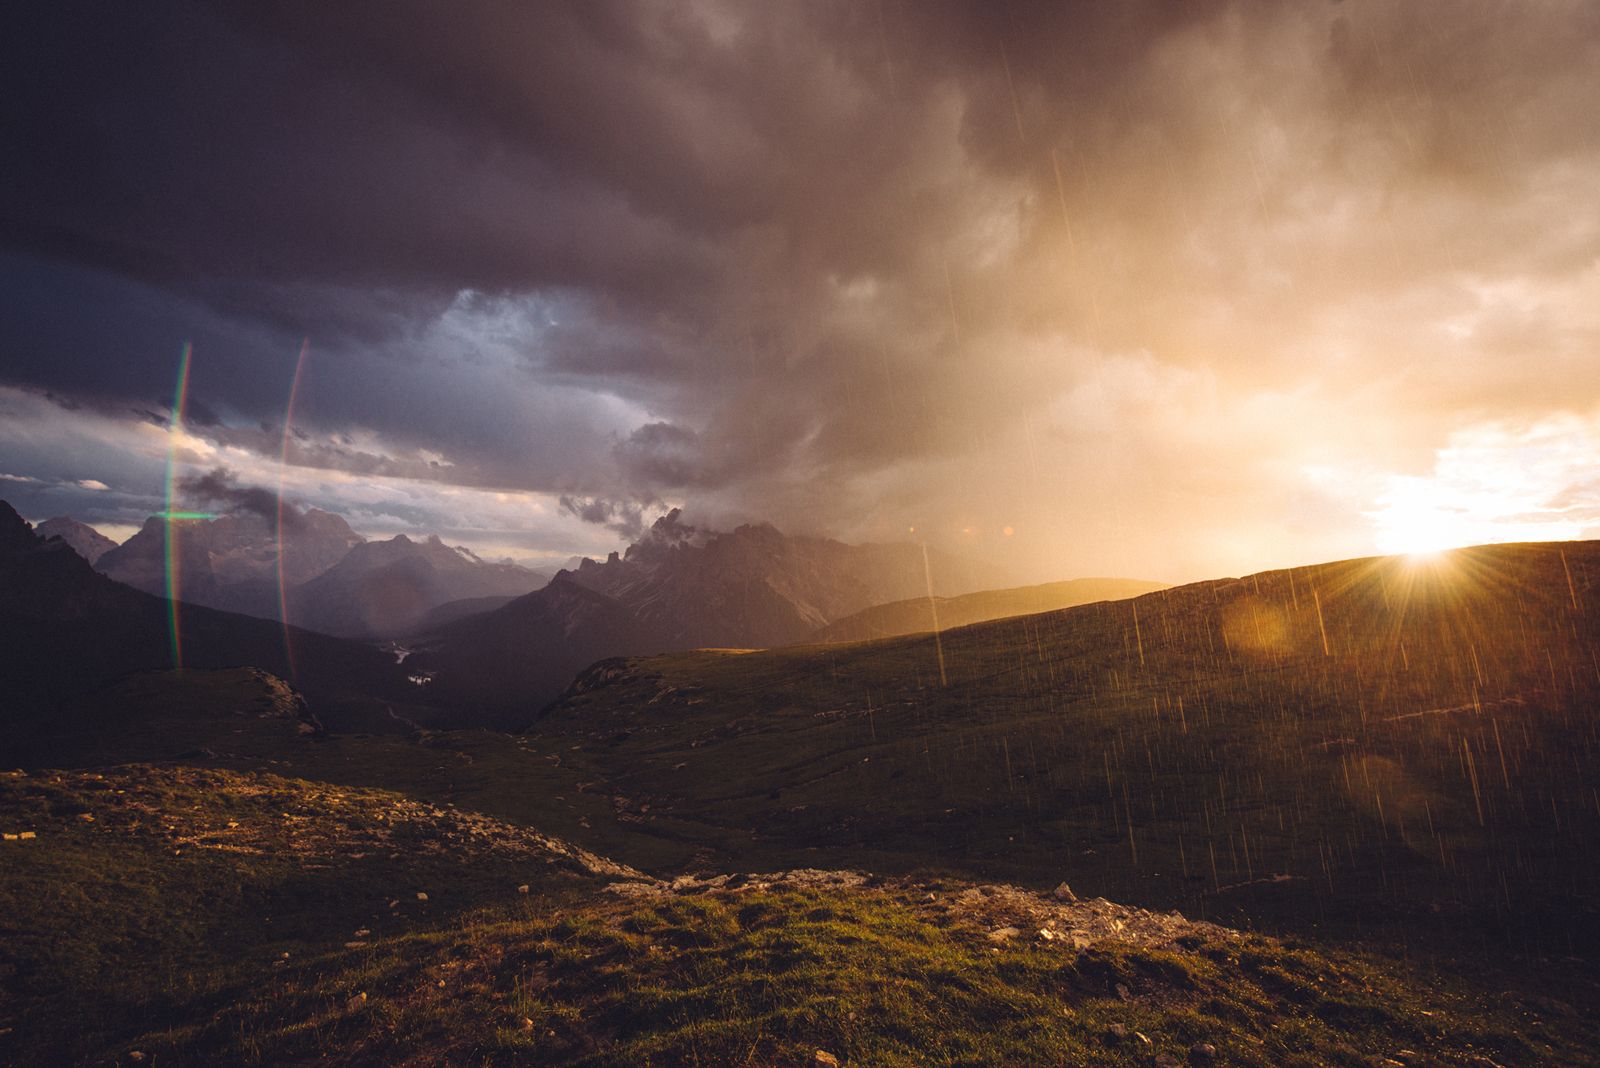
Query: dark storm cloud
{"x": 625, "y": 518}
{"x": 811, "y": 263}
{"x": 220, "y": 487}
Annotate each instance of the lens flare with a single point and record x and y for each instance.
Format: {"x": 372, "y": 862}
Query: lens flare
{"x": 283, "y": 466}
{"x": 171, "y": 516}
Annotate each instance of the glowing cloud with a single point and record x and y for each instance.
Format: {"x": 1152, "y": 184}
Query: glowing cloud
{"x": 1495, "y": 484}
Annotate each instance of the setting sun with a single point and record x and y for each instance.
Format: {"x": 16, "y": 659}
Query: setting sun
{"x": 1420, "y": 529}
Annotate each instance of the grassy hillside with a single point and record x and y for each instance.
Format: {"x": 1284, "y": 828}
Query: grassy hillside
{"x": 920, "y": 614}
{"x": 171, "y": 915}
{"x": 1411, "y": 743}
{"x": 1402, "y": 751}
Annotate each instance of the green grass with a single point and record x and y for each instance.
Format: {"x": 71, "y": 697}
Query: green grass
{"x": 206, "y": 916}
{"x": 1365, "y": 744}
{"x": 186, "y": 883}
{"x": 1403, "y": 755}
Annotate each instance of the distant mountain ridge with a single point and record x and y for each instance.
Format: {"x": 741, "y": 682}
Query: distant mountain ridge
{"x": 755, "y": 586}
{"x": 383, "y": 589}
{"x": 338, "y": 582}
{"x": 231, "y": 562}
{"x": 65, "y": 628}
{"x": 917, "y": 615}
{"x": 678, "y": 587}
{"x": 86, "y": 541}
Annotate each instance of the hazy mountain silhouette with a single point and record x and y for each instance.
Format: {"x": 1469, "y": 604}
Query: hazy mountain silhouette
{"x": 67, "y": 629}
{"x": 383, "y": 589}
{"x": 231, "y": 562}
{"x": 678, "y": 587}
{"x": 86, "y": 541}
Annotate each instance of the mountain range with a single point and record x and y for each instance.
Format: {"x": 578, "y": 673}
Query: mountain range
{"x": 385, "y": 589}
{"x": 66, "y": 629}
{"x": 1369, "y": 785}
{"x": 677, "y": 587}
{"x": 336, "y": 581}
{"x": 231, "y": 562}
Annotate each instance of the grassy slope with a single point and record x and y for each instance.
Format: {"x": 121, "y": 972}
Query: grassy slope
{"x": 212, "y": 917}
{"x": 160, "y": 926}
{"x": 240, "y": 720}
{"x": 916, "y": 616}
{"x": 1373, "y": 741}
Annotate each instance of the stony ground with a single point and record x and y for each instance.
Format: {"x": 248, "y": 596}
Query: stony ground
{"x": 179, "y": 915}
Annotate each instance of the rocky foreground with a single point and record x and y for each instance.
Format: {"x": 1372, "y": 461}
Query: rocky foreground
{"x": 174, "y": 915}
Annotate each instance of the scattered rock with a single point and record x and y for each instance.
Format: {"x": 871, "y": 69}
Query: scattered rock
{"x": 1167, "y": 1060}
{"x": 1003, "y": 934}
{"x": 362, "y": 933}
{"x": 1117, "y": 1031}
{"x": 87, "y": 817}
{"x": 1047, "y": 934}
{"x": 1123, "y": 993}
{"x": 421, "y": 896}
{"x": 354, "y": 945}
{"x": 823, "y": 1059}
{"x": 523, "y": 889}
{"x": 356, "y": 1002}
{"x": 1063, "y": 892}
{"x": 1203, "y": 1053}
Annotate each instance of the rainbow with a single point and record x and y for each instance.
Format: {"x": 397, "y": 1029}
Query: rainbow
{"x": 283, "y": 466}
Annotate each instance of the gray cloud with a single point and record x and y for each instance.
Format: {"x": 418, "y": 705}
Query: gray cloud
{"x": 220, "y": 487}
{"x": 623, "y": 517}
{"x": 854, "y": 268}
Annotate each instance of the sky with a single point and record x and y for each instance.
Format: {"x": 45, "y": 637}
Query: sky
{"x": 1169, "y": 291}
